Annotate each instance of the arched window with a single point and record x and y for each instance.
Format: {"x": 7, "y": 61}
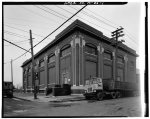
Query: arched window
{"x": 120, "y": 59}
{"x": 41, "y": 64}
{"x": 65, "y": 50}
{"x": 51, "y": 58}
{"x": 90, "y": 48}
{"x": 107, "y": 55}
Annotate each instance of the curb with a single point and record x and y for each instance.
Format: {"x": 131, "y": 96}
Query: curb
{"x": 65, "y": 100}
{"x": 55, "y": 100}
{"x": 21, "y": 98}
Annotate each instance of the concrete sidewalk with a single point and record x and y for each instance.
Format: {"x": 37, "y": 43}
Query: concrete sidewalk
{"x": 49, "y": 98}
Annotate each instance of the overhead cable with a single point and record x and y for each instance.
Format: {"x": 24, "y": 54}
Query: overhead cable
{"x": 52, "y": 32}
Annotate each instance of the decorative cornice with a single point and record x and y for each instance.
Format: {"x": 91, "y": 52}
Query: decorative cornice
{"x": 102, "y": 50}
{"x": 113, "y": 54}
{"x": 98, "y": 48}
{"x": 46, "y": 58}
{"x": 83, "y": 42}
{"x": 125, "y": 58}
{"x": 57, "y": 51}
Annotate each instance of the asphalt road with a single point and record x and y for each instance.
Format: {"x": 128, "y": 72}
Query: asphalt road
{"x": 129, "y": 106}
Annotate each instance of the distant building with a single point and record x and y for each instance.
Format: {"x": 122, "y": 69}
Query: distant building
{"x": 76, "y": 54}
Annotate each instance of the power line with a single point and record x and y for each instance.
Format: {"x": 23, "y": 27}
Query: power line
{"x": 129, "y": 33}
{"x": 110, "y": 22}
{"x": 49, "y": 12}
{"x": 54, "y": 11}
{"x": 96, "y": 18}
{"x": 37, "y": 13}
{"x": 131, "y": 39}
{"x": 15, "y": 34}
{"x": 25, "y": 25}
{"x": 87, "y": 20}
{"x": 22, "y": 30}
{"x": 33, "y": 21}
{"x": 103, "y": 17}
{"x": 15, "y": 45}
{"x": 64, "y": 9}
{"x": 61, "y": 25}
{"x": 52, "y": 32}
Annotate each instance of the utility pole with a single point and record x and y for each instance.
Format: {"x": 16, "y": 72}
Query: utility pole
{"x": 33, "y": 74}
{"x": 116, "y": 34}
{"x": 11, "y": 72}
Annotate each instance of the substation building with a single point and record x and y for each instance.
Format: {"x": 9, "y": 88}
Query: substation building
{"x": 76, "y": 54}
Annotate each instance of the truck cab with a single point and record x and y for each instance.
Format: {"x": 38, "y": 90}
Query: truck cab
{"x": 94, "y": 88}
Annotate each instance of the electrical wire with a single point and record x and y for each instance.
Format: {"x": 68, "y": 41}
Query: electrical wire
{"x": 93, "y": 17}
{"x": 49, "y": 12}
{"x": 87, "y": 20}
{"x": 31, "y": 11}
{"x": 55, "y": 11}
{"x": 128, "y": 35}
{"x": 16, "y": 45}
{"x": 15, "y": 34}
{"x": 52, "y": 32}
{"x": 23, "y": 30}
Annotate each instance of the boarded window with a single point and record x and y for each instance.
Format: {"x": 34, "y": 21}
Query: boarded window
{"x": 108, "y": 55}
{"x": 51, "y": 59}
{"x": 107, "y": 71}
{"x": 91, "y": 70}
{"x": 42, "y": 77}
{"x": 91, "y": 49}
{"x": 52, "y": 75}
{"x": 65, "y": 70}
{"x": 41, "y": 63}
{"x": 65, "y": 51}
{"x": 29, "y": 82}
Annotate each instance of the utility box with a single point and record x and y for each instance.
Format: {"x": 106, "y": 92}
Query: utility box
{"x": 67, "y": 89}
{"x": 61, "y": 90}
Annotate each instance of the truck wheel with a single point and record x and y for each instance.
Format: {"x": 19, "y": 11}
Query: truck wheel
{"x": 113, "y": 95}
{"x": 118, "y": 94}
{"x": 100, "y": 96}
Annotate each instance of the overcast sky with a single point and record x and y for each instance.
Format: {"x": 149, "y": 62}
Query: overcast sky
{"x": 42, "y": 20}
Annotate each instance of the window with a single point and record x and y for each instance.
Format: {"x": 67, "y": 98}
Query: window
{"x": 108, "y": 55}
{"x": 65, "y": 51}
{"x": 107, "y": 72}
{"x": 91, "y": 49}
{"x": 42, "y": 63}
{"x": 120, "y": 59}
{"x": 120, "y": 73}
{"x": 132, "y": 65}
{"x": 51, "y": 59}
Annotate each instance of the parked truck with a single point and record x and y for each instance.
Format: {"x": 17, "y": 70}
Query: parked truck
{"x": 99, "y": 88}
{"x": 8, "y": 89}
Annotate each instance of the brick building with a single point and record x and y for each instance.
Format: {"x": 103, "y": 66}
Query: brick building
{"x": 76, "y": 54}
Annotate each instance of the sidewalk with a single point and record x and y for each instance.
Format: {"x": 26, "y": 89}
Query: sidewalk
{"x": 49, "y": 98}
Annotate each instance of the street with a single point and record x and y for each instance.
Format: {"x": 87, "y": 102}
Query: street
{"x": 128, "y": 106}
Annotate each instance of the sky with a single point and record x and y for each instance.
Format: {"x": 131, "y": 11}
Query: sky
{"x": 43, "y": 19}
